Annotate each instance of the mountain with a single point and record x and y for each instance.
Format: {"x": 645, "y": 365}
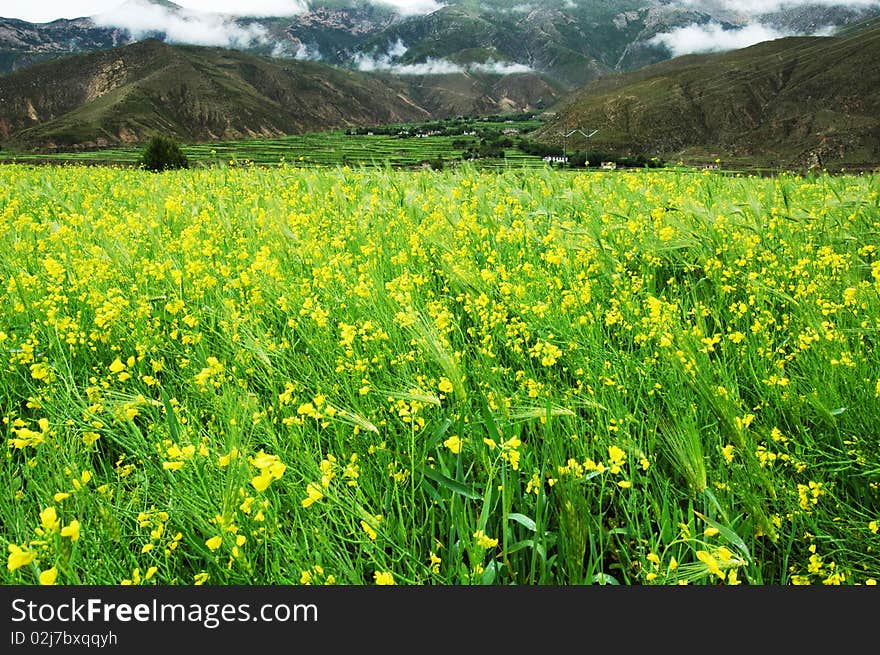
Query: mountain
{"x": 792, "y": 102}
{"x": 193, "y": 93}
{"x": 568, "y": 41}
{"x": 197, "y": 93}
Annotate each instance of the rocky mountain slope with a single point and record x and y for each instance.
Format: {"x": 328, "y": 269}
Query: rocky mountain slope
{"x": 568, "y": 41}
{"x": 793, "y": 101}
{"x": 196, "y": 93}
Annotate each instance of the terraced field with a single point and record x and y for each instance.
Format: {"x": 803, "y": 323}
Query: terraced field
{"x": 325, "y": 149}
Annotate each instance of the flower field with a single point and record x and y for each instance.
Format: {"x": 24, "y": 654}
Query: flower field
{"x": 238, "y": 375}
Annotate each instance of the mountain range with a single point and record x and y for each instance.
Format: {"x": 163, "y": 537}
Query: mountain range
{"x": 569, "y": 41}
{"x": 794, "y": 101}
{"x": 199, "y": 93}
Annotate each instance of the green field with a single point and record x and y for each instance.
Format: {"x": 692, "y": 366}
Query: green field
{"x": 330, "y": 148}
{"x": 343, "y": 375}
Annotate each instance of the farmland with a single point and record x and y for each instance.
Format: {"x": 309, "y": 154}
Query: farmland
{"x": 401, "y": 145}
{"x": 338, "y": 375}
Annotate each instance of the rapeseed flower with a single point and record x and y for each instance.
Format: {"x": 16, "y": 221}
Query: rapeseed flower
{"x": 71, "y": 530}
{"x": 484, "y": 541}
{"x": 48, "y": 576}
{"x": 383, "y": 578}
{"x": 19, "y": 557}
{"x": 314, "y": 493}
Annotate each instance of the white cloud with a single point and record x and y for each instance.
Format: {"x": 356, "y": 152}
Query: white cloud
{"x": 257, "y": 8}
{"x": 302, "y": 52}
{"x": 388, "y": 62}
{"x": 141, "y": 19}
{"x": 712, "y": 37}
{"x": 384, "y": 61}
{"x": 428, "y": 67}
{"x": 410, "y": 7}
{"x": 397, "y": 49}
{"x": 500, "y": 68}
{"x": 309, "y": 52}
{"x": 46, "y": 10}
{"x": 757, "y": 7}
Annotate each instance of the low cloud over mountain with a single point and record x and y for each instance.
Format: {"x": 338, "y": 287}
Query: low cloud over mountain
{"x": 143, "y": 19}
{"x": 755, "y": 21}
{"x": 713, "y": 37}
{"x": 389, "y": 61}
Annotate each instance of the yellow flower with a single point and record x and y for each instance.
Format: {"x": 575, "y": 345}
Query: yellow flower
{"x": 61, "y": 495}
{"x": 89, "y": 438}
{"x": 371, "y": 525}
{"x": 383, "y": 578}
{"x": 454, "y": 444}
{"x": 48, "y": 576}
{"x": 18, "y": 557}
{"x": 371, "y": 533}
{"x": 314, "y": 494}
{"x": 117, "y": 366}
{"x": 624, "y": 484}
{"x": 49, "y": 519}
{"x": 71, "y": 530}
{"x": 200, "y": 578}
{"x": 873, "y": 527}
{"x": 214, "y": 542}
{"x": 727, "y": 452}
{"x": 711, "y": 563}
{"x": 261, "y": 481}
{"x": 445, "y": 385}
{"x": 616, "y": 458}
{"x": 483, "y": 541}
{"x": 271, "y": 468}
{"x": 710, "y": 531}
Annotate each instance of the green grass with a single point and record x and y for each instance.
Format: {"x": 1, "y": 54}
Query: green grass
{"x": 330, "y": 148}
{"x": 278, "y": 375}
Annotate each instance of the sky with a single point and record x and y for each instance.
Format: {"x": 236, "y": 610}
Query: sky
{"x": 46, "y": 10}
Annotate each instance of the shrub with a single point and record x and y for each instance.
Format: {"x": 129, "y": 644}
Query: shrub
{"x": 162, "y": 153}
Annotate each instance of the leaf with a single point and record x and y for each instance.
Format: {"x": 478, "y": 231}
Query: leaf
{"x": 528, "y": 543}
{"x": 732, "y": 537}
{"x": 354, "y": 419}
{"x": 490, "y": 424}
{"x": 449, "y": 483}
{"x": 525, "y": 413}
{"x": 439, "y": 432}
{"x": 432, "y": 492}
{"x": 429, "y": 399}
{"x": 171, "y": 417}
{"x": 524, "y": 521}
{"x": 604, "y": 578}
{"x": 711, "y": 496}
{"x": 489, "y": 572}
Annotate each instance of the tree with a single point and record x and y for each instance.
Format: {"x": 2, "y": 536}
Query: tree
{"x": 162, "y": 153}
